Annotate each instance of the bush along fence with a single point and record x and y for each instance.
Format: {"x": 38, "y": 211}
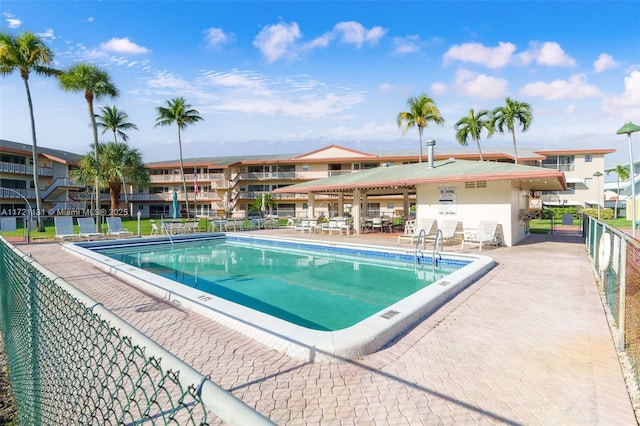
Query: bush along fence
{"x": 71, "y": 361}
{"x": 616, "y": 258}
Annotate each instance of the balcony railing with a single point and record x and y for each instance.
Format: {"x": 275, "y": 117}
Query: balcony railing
{"x": 61, "y": 183}
{"x": 29, "y": 194}
{"x": 203, "y": 178}
{"x": 259, "y": 176}
{"x": 561, "y": 167}
{"x": 168, "y": 196}
{"x": 24, "y": 169}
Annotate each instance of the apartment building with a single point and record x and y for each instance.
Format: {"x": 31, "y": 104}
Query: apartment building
{"x": 57, "y": 190}
{"x": 584, "y": 171}
{"x": 224, "y": 186}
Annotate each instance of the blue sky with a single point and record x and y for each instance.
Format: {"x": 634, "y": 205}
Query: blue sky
{"x": 291, "y": 77}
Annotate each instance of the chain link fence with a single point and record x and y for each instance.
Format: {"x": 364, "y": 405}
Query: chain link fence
{"x": 73, "y": 362}
{"x": 616, "y": 257}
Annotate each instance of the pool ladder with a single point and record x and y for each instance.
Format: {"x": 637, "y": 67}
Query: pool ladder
{"x": 435, "y": 254}
{"x": 167, "y": 231}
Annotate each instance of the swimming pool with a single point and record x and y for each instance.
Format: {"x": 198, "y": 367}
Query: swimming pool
{"x": 311, "y": 300}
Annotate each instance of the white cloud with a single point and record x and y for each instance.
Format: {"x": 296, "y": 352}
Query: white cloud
{"x": 48, "y": 33}
{"x": 405, "y": 45}
{"x": 123, "y": 45}
{"x": 627, "y": 105}
{"x": 215, "y": 37}
{"x": 281, "y": 40}
{"x": 386, "y": 88}
{"x": 166, "y": 80}
{"x": 570, "y": 110}
{"x": 355, "y": 33}
{"x": 604, "y": 62}
{"x": 12, "y": 21}
{"x": 481, "y": 86}
{"x": 90, "y": 19}
{"x": 278, "y": 41}
{"x": 574, "y": 88}
{"x": 439, "y": 88}
{"x": 548, "y": 54}
{"x": 238, "y": 91}
{"x": 491, "y": 57}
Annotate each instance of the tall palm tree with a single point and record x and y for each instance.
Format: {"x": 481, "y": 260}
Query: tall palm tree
{"x": 181, "y": 113}
{"x": 115, "y": 120}
{"x": 27, "y": 53}
{"x": 506, "y": 117}
{"x": 623, "y": 174}
{"x": 96, "y": 84}
{"x": 422, "y": 110}
{"x": 118, "y": 161}
{"x": 471, "y": 126}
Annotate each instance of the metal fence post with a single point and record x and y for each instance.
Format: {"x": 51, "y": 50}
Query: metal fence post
{"x": 622, "y": 293}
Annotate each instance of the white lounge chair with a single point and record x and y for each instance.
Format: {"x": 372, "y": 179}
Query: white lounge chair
{"x": 304, "y": 225}
{"x": 87, "y": 228}
{"x": 116, "y": 228}
{"x": 450, "y": 229}
{"x": 424, "y": 228}
{"x": 64, "y": 228}
{"x": 485, "y": 234}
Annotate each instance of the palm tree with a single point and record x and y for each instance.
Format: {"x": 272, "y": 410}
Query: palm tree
{"x": 178, "y": 111}
{"x": 26, "y": 53}
{"x": 623, "y": 174}
{"x": 118, "y": 161}
{"x": 96, "y": 84}
{"x": 471, "y": 126}
{"x": 422, "y": 110}
{"x": 115, "y": 120}
{"x": 507, "y": 116}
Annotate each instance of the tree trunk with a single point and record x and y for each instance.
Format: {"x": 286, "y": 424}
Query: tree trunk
{"x": 34, "y": 155}
{"x": 184, "y": 179}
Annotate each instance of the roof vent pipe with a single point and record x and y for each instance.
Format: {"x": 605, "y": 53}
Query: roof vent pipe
{"x": 430, "y": 144}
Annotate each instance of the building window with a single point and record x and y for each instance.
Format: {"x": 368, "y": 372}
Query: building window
{"x": 305, "y": 167}
{"x": 588, "y": 158}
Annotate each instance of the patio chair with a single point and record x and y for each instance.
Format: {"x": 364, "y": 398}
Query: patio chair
{"x": 87, "y": 228}
{"x": 116, "y": 228}
{"x": 304, "y": 225}
{"x": 376, "y": 223}
{"x": 450, "y": 229}
{"x": 64, "y": 228}
{"x": 485, "y": 234}
{"x": 426, "y": 227}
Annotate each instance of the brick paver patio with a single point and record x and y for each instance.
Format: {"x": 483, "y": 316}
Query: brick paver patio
{"x": 527, "y": 344}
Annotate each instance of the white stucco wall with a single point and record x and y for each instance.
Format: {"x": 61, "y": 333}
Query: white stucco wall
{"x": 499, "y": 201}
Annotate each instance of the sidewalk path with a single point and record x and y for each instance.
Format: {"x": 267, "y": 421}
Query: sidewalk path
{"x": 527, "y": 344}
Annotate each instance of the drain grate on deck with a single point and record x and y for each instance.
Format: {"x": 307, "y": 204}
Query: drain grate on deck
{"x": 389, "y": 314}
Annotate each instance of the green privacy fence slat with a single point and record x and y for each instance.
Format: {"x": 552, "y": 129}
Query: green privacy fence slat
{"x": 68, "y": 365}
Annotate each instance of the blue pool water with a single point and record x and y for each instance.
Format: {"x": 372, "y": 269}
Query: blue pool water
{"x": 327, "y": 289}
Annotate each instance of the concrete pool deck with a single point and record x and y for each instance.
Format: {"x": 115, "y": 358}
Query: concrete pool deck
{"x": 528, "y": 343}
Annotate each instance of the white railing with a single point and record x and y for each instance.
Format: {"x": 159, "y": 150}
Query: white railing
{"x": 259, "y": 176}
{"x": 203, "y": 178}
{"x": 60, "y": 183}
{"x": 26, "y": 193}
{"x": 24, "y": 169}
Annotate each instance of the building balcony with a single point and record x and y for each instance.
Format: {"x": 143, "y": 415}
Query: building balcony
{"x": 23, "y": 169}
{"x": 263, "y": 176}
{"x": 203, "y": 179}
{"x": 168, "y": 197}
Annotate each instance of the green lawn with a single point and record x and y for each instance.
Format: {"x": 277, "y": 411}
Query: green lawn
{"x": 130, "y": 224}
{"x": 543, "y": 226}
